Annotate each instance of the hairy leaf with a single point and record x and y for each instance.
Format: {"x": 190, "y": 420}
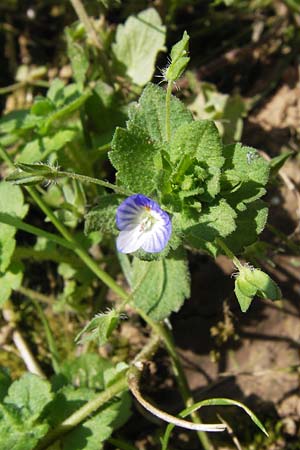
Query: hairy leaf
{"x": 160, "y": 287}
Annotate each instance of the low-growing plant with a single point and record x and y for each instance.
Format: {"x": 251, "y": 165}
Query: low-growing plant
{"x": 178, "y": 188}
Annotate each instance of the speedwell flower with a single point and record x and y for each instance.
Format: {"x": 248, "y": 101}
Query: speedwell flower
{"x": 142, "y": 224}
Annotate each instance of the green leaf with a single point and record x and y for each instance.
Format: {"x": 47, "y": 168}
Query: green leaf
{"x": 12, "y": 203}
{"x": 40, "y": 148}
{"x": 243, "y": 299}
{"x": 249, "y": 224}
{"x": 137, "y": 160}
{"x": 42, "y": 106}
{"x": 103, "y": 217}
{"x": 15, "y": 434}
{"x": 137, "y": 44}
{"x": 149, "y": 113}
{"x": 78, "y": 56}
{"x": 214, "y": 221}
{"x": 213, "y": 402}
{"x": 92, "y": 434}
{"x": 99, "y": 328}
{"x": 200, "y": 142}
{"x": 277, "y": 163}
{"x": 30, "y": 394}
{"x": 160, "y": 287}
{"x": 245, "y": 173}
{"x": 87, "y": 371}
{"x": 67, "y": 400}
{"x": 10, "y": 280}
{"x": 13, "y": 121}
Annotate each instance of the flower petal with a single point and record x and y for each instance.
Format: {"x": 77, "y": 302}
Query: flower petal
{"x": 130, "y": 240}
{"x": 157, "y": 238}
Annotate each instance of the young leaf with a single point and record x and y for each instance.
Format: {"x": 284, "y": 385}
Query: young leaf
{"x": 179, "y": 59}
{"x": 160, "y": 287}
{"x": 200, "y": 141}
{"x": 137, "y": 44}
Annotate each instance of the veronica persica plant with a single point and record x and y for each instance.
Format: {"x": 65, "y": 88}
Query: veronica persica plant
{"x": 142, "y": 224}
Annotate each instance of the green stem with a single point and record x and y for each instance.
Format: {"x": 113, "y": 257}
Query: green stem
{"x": 86, "y": 179}
{"x": 84, "y": 412}
{"x": 20, "y": 225}
{"x": 78, "y": 249}
{"x": 229, "y": 253}
{"x": 168, "y": 341}
{"x": 168, "y": 110}
{"x": 38, "y": 296}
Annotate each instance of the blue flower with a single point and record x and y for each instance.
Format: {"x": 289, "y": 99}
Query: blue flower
{"x": 142, "y": 224}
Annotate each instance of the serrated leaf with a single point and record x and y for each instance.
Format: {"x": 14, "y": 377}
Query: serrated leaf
{"x": 249, "y": 224}
{"x": 160, "y": 287}
{"x": 92, "y": 434}
{"x": 30, "y": 394}
{"x": 200, "y": 141}
{"x": 99, "y": 328}
{"x": 137, "y": 44}
{"x": 15, "y": 434}
{"x": 245, "y": 173}
{"x": 214, "y": 221}
{"x": 103, "y": 217}
{"x": 66, "y": 401}
{"x": 149, "y": 113}
{"x": 137, "y": 160}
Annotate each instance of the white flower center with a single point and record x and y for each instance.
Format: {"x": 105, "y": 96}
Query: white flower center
{"x": 147, "y": 222}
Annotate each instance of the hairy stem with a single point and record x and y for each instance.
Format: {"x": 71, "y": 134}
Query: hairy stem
{"x": 86, "y": 179}
{"x": 168, "y": 110}
{"x": 84, "y": 412}
{"x": 229, "y": 253}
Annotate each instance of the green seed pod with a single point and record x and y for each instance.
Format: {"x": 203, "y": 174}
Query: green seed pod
{"x": 264, "y": 284}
